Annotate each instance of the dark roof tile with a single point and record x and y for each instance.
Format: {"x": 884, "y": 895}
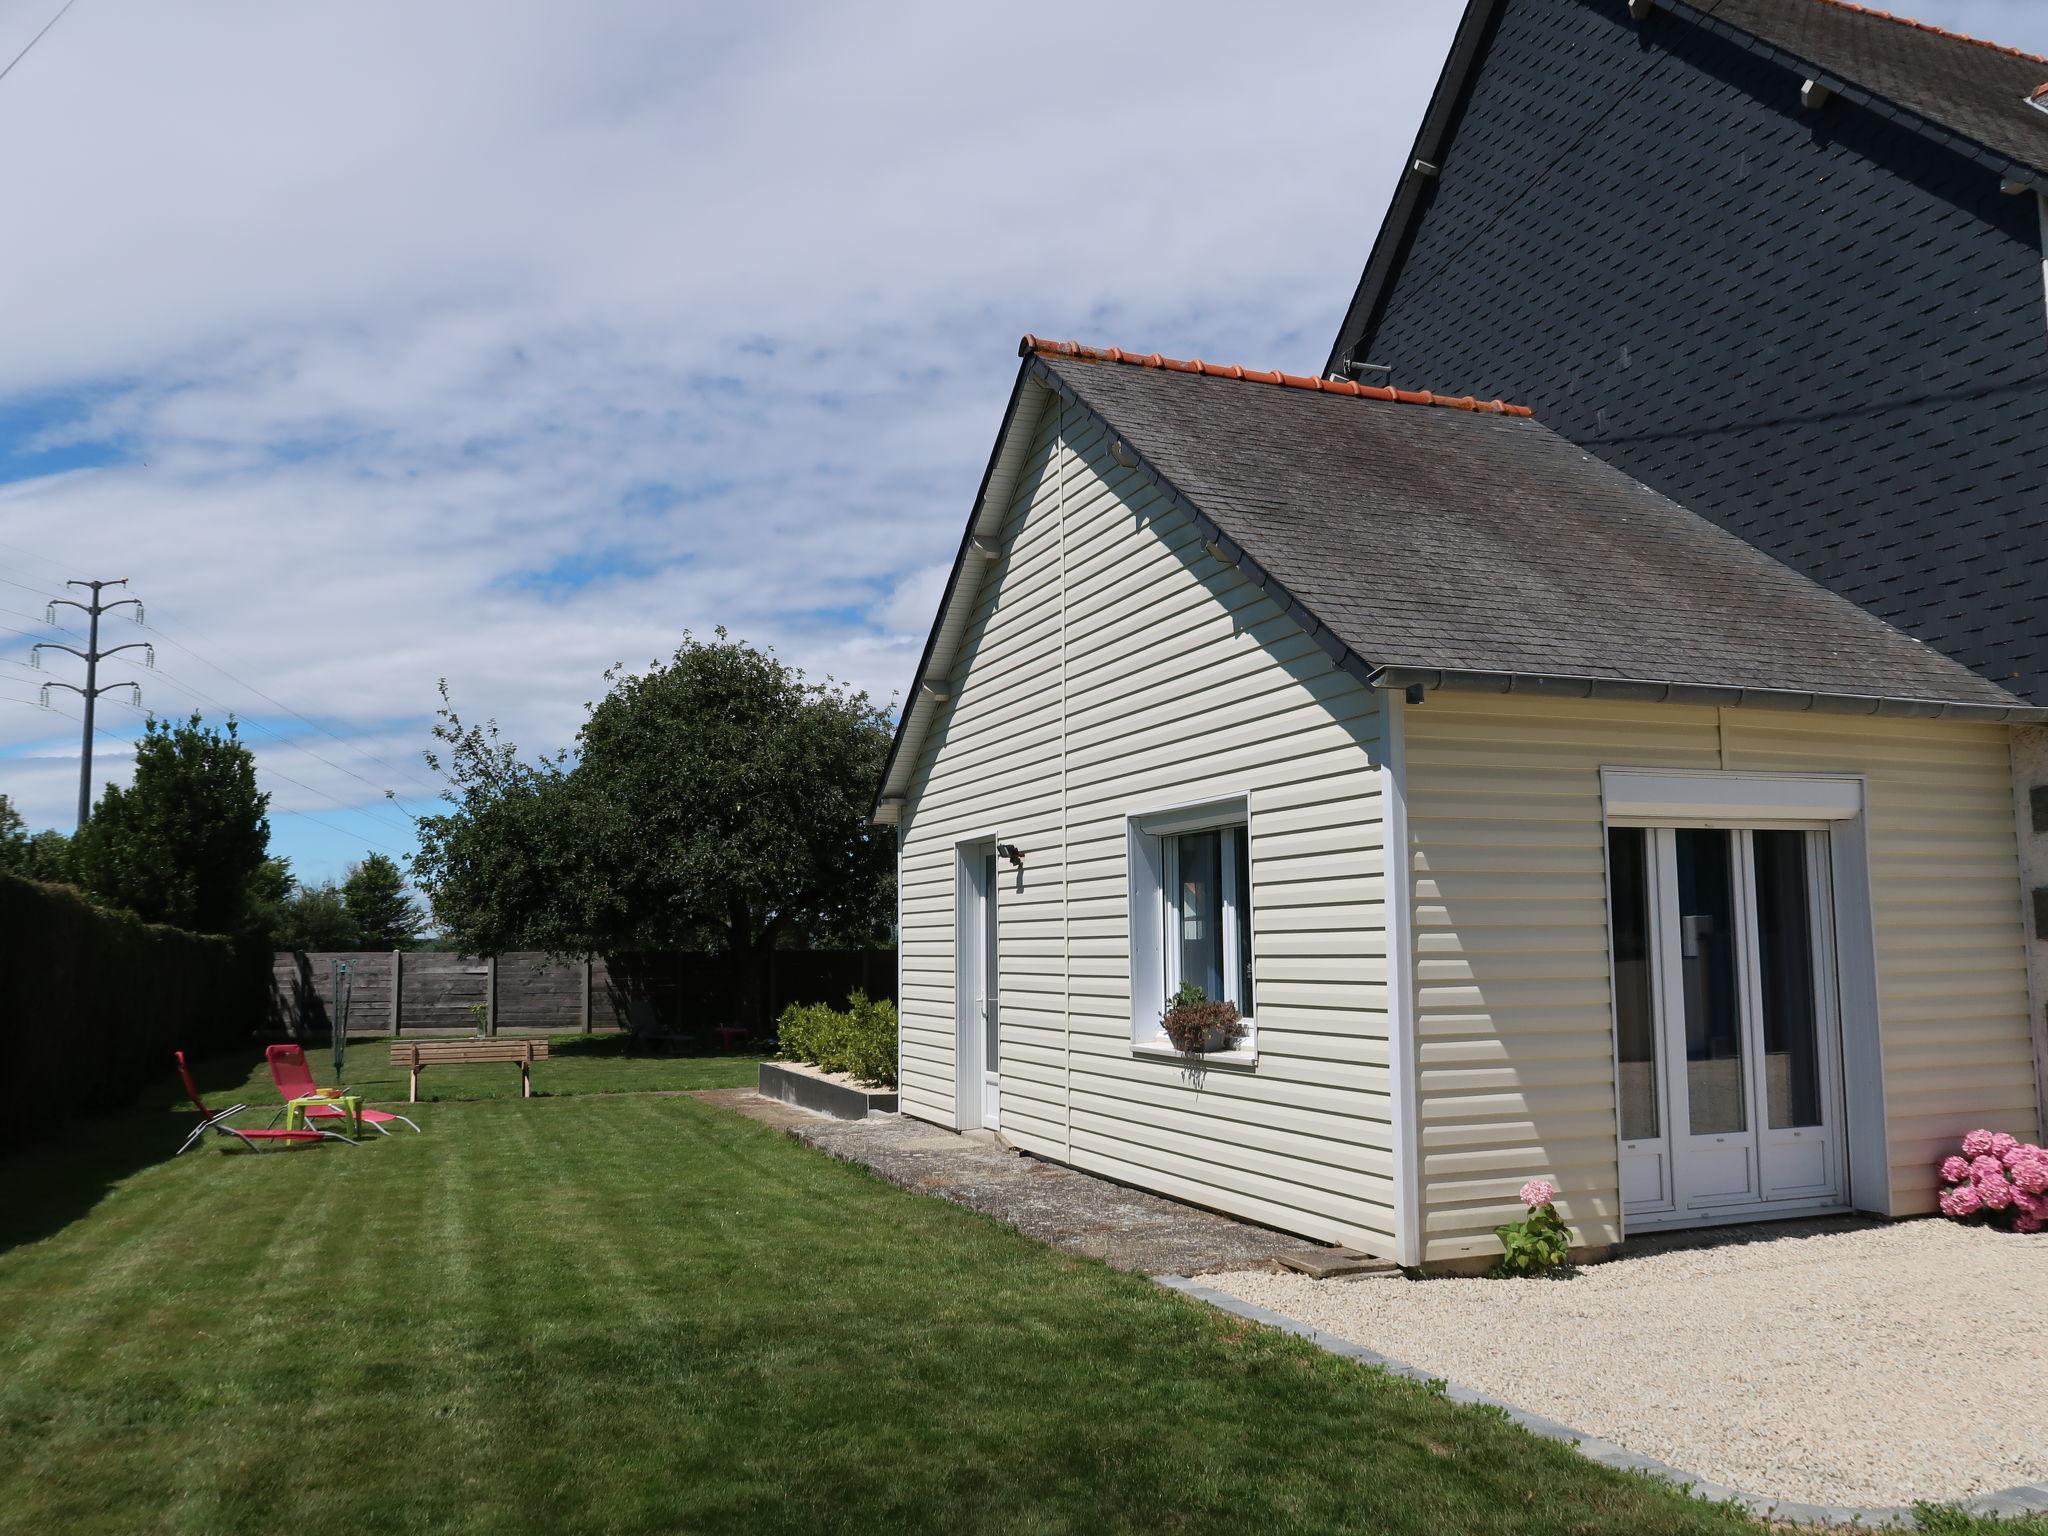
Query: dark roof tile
{"x": 1476, "y": 540}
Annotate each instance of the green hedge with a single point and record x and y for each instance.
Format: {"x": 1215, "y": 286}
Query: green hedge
{"x": 93, "y": 1003}
{"x": 859, "y": 1040}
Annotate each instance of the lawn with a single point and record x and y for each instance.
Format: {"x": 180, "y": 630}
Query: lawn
{"x": 626, "y": 1311}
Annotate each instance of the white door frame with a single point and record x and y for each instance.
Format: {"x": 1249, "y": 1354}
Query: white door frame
{"x": 976, "y": 979}
{"x": 1634, "y": 797}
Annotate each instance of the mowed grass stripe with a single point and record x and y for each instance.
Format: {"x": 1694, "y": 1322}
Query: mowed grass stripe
{"x": 621, "y": 1313}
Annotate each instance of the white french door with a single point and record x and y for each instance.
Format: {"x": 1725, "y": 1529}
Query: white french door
{"x": 1727, "y": 1043}
{"x": 977, "y": 977}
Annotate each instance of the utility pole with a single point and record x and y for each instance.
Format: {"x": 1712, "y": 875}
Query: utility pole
{"x": 92, "y": 656}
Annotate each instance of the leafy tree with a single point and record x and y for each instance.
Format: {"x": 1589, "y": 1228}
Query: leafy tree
{"x": 379, "y": 907}
{"x": 44, "y": 855}
{"x": 182, "y": 842}
{"x": 718, "y": 801}
{"x": 316, "y": 917}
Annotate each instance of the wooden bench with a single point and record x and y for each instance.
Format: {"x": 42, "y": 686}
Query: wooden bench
{"x": 418, "y": 1055}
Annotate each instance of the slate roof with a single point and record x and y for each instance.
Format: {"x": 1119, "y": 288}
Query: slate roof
{"x": 1977, "y": 89}
{"x": 1480, "y": 541}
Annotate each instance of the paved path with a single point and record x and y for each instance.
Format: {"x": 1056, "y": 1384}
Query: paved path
{"x": 1074, "y": 1211}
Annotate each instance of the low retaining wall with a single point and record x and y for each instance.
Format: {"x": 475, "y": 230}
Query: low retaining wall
{"x": 808, "y": 1088}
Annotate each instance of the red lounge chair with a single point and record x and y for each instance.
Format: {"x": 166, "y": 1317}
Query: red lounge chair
{"x": 209, "y": 1121}
{"x": 294, "y": 1080}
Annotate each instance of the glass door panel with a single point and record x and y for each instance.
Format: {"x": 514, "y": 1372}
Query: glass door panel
{"x": 1635, "y": 1013}
{"x": 1639, "y": 1088}
{"x": 1716, "y": 1097}
{"x": 1785, "y": 976}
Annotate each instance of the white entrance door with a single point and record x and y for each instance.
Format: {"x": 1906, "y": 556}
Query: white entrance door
{"x": 977, "y": 975}
{"x": 1727, "y": 1048}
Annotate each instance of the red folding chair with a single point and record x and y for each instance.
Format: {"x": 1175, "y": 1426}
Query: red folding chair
{"x": 210, "y": 1121}
{"x": 294, "y": 1079}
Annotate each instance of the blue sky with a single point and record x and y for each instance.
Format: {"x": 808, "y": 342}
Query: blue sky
{"x": 501, "y": 342}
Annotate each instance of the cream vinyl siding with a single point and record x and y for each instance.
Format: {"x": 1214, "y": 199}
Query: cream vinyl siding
{"x": 1513, "y": 1024}
{"x": 1115, "y": 668}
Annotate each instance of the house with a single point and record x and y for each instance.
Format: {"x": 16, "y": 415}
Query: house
{"x": 1540, "y": 821}
{"x": 1778, "y": 259}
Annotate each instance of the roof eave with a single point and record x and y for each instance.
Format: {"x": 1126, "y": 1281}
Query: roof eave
{"x": 1647, "y": 691}
{"x": 918, "y": 706}
{"x": 997, "y": 482}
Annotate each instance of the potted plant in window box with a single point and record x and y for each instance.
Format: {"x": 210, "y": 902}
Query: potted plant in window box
{"x": 1198, "y": 1027}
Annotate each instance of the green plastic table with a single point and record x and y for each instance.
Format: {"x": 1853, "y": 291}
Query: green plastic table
{"x": 349, "y": 1104}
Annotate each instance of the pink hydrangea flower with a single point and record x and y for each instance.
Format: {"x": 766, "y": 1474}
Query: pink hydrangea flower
{"x": 1995, "y": 1193}
{"x": 1538, "y": 1192}
{"x": 2032, "y": 1177}
{"x": 1987, "y": 1169}
{"x": 2027, "y": 1224}
{"x": 2003, "y": 1142}
{"x": 1976, "y": 1144}
{"x": 1954, "y": 1170}
{"x": 1963, "y": 1200}
{"x": 2029, "y": 1203}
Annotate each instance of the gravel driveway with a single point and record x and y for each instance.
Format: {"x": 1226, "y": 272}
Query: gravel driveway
{"x": 1829, "y": 1362}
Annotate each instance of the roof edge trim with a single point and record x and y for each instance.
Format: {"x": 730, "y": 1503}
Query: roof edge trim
{"x": 1642, "y": 691}
{"x": 919, "y": 708}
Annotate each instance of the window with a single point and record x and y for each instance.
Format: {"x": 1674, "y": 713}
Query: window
{"x": 1191, "y": 913}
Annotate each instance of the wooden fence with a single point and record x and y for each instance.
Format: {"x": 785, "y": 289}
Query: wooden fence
{"x": 527, "y": 993}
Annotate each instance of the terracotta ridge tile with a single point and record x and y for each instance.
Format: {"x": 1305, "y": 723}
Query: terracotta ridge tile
{"x": 1031, "y": 346}
{"x": 1928, "y": 26}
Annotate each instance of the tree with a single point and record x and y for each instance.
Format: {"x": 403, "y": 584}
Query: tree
{"x": 379, "y": 907}
{"x": 315, "y": 917}
{"x": 44, "y": 855}
{"x": 716, "y": 802}
{"x": 181, "y": 843}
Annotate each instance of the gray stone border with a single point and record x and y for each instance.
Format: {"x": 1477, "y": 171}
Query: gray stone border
{"x": 2025, "y": 1500}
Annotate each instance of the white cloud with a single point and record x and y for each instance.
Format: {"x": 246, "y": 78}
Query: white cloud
{"x": 395, "y": 309}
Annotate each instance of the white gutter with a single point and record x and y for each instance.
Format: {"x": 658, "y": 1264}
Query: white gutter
{"x": 1651, "y": 692}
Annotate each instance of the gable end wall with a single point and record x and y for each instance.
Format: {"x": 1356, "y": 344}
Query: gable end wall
{"x": 1113, "y": 666}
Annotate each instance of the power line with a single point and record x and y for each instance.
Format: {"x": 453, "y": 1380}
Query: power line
{"x": 4, "y": 73}
{"x": 282, "y": 810}
{"x": 206, "y": 698}
{"x": 418, "y": 779}
{"x": 280, "y": 704}
{"x": 92, "y": 656}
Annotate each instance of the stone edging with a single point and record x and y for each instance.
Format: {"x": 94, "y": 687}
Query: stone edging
{"x": 2026, "y": 1500}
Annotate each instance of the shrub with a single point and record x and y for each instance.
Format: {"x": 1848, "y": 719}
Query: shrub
{"x": 92, "y": 1004}
{"x": 1537, "y": 1244}
{"x": 1996, "y": 1180}
{"x": 1194, "y": 1024}
{"x": 859, "y": 1040}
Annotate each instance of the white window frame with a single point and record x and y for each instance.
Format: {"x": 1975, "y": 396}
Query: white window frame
{"x": 1154, "y": 909}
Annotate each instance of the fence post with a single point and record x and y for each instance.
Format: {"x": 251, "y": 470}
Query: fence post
{"x": 491, "y": 995}
{"x": 585, "y": 1011}
{"x": 397, "y": 989}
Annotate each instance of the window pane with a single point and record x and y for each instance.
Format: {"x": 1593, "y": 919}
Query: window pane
{"x": 1241, "y": 896}
{"x": 1713, "y": 1016}
{"x": 1201, "y": 911}
{"x": 1635, "y": 1018}
{"x": 1784, "y": 930}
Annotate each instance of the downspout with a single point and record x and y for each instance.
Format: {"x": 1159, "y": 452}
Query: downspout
{"x": 1066, "y": 848}
{"x": 1403, "y": 1060}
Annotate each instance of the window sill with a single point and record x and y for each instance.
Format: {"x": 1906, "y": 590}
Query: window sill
{"x": 1161, "y": 1049}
